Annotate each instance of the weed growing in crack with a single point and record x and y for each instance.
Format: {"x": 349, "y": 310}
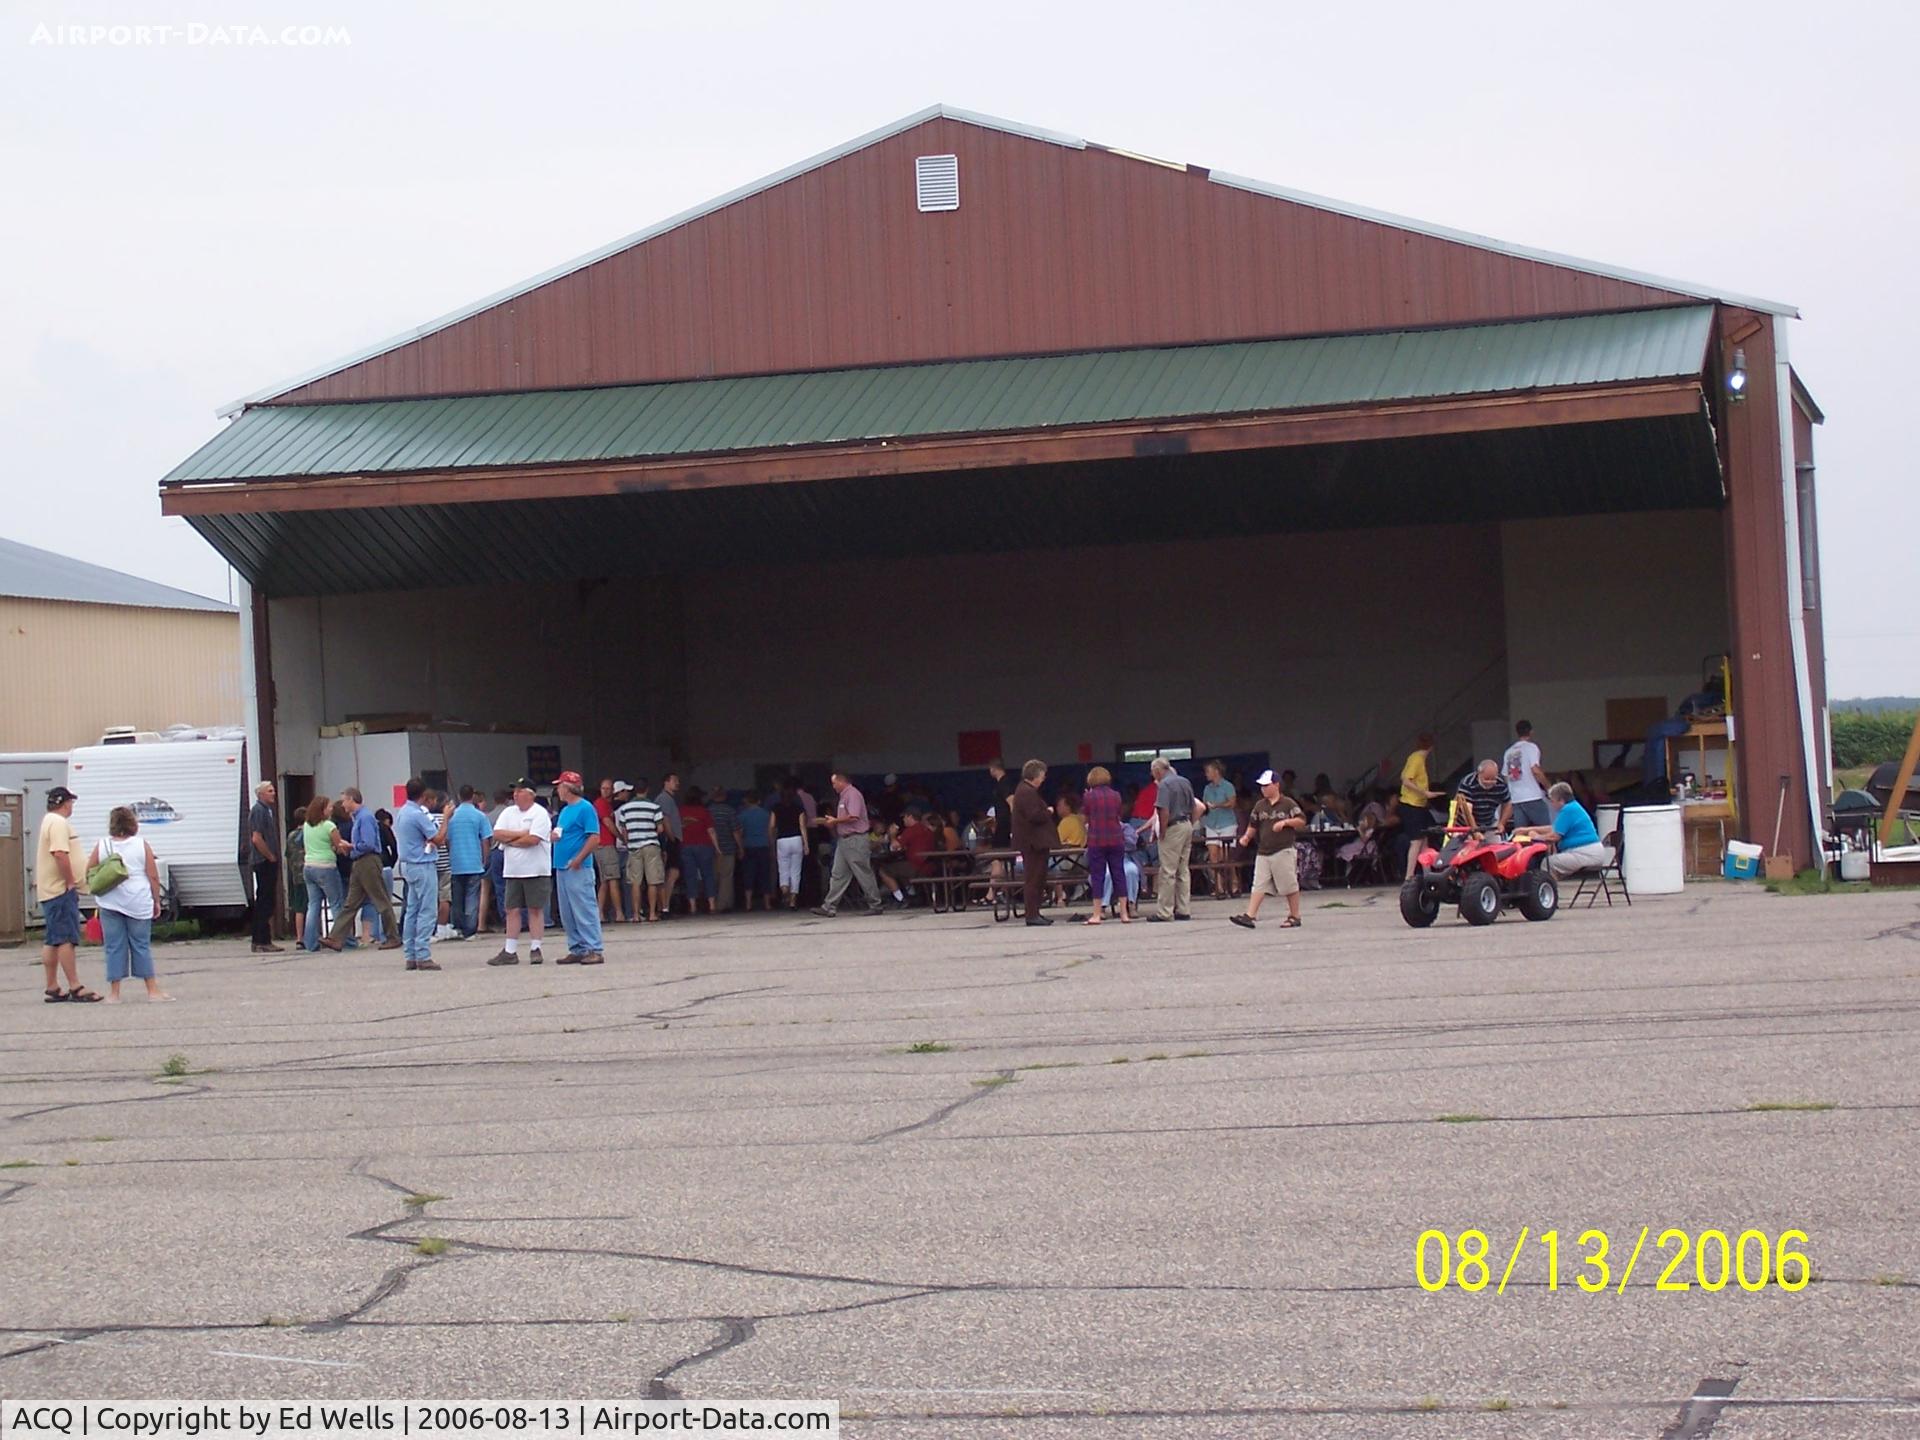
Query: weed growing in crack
{"x": 102, "y": 1139}
{"x": 279, "y": 1322}
{"x": 420, "y": 1199}
{"x": 1465, "y": 1117}
{"x": 430, "y": 1245}
{"x": 1052, "y": 1065}
{"x": 1889, "y": 1279}
{"x": 926, "y": 1047}
{"x": 175, "y": 1065}
{"x": 1764, "y": 1106}
{"x": 21, "y": 1165}
{"x": 1427, "y": 1404}
{"x": 1119, "y": 1060}
{"x": 1145, "y": 1059}
{"x": 69, "y": 1162}
{"x": 624, "y": 1317}
{"x": 995, "y": 1080}
{"x": 1498, "y": 1402}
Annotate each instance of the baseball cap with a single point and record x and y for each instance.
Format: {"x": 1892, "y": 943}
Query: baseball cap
{"x": 623, "y": 785}
{"x": 570, "y": 777}
{"x": 1267, "y": 777}
{"x": 523, "y": 783}
{"x": 59, "y": 795}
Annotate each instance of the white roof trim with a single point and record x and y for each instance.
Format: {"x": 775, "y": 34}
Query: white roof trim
{"x": 1503, "y": 247}
{"x": 1010, "y": 127}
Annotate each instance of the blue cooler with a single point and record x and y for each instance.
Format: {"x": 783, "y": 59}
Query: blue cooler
{"x": 1742, "y": 861}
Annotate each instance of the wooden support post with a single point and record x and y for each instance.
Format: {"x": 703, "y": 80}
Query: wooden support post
{"x": 1900, "y": 783}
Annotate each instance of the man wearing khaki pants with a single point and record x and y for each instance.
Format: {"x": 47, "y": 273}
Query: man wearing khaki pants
{"x": 366, "y": 882}
{"x": 1178, "y": 809}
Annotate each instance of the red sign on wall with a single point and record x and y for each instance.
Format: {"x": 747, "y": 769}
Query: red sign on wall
{"x": 977, "y": 747}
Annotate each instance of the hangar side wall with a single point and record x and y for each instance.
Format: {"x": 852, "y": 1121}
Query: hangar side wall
{"x": 1302, "y": 645}
{"x": 1602, "y": 607}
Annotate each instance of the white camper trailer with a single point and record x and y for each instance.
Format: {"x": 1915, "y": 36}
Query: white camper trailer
{"x": 191, "y": 796}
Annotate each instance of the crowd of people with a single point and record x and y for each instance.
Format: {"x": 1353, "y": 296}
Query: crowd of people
{"x": 534, "y": 860}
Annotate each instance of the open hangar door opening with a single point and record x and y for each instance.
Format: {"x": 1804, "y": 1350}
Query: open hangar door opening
{"x": 1319, "y": 603}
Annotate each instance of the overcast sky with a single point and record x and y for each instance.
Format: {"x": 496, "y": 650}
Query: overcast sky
{"x": 185, "y": 223}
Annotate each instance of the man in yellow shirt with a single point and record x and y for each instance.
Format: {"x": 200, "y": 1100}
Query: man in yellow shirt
{"x": 1415, "y": 800}
{"x": 57, "y": 871}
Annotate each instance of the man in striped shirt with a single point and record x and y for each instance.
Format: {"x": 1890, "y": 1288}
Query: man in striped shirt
{"x": 639, "y": 820}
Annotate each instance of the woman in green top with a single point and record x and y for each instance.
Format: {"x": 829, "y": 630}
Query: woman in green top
{"x": 1219, "y": 826}
{"x": 321, "y": 839}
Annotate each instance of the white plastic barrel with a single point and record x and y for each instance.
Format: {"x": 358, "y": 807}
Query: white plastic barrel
{"x": 1655, "y": 841}
{"x": 1606, "y": 819}
{"x": 1853, "y": 865}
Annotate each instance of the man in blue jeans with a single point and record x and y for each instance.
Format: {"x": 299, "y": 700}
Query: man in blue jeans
{"x": 576, "y": 835}
{"x": 418, "y": 833}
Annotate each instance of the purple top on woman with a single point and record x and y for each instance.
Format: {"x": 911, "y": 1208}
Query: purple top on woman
{"x": 1100, "y": 808}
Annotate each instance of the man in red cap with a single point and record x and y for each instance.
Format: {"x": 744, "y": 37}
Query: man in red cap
{"x": 576, "y": 835}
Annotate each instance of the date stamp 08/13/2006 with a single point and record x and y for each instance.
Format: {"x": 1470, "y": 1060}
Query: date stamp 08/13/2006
{"x": 1711, "y": 1260}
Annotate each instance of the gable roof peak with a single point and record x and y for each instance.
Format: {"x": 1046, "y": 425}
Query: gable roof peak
{"x": 942, "y": 111}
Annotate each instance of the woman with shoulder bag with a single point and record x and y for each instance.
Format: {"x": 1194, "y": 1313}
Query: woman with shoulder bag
{"x": 129, "y": 902}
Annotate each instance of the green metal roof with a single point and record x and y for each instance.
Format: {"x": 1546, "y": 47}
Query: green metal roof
{"x": 770, "y": 412}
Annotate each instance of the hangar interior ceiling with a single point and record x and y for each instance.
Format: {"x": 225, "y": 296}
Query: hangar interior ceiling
{"x": 1662, "y": 463}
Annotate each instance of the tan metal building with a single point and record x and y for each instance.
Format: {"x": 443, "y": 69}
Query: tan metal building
{"x": 83, "y": 648}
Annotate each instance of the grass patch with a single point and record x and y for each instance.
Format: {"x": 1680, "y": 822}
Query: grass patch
{"x": 170, "y": 930}
{"x": 926, "y": 1047}
{"x": 420, "y": 1199}
{"x": 993, "y": 1081}
{"x": 1498, "y": 1402}
{"x": 1465, "y": 1117}
{"x": 1052, "y": 1065}
{"x": 1764, "y": 1106}
{"x": 1815, "y": 882}
{"x": 175, "y": 1065}
{"x": 21, "y": 1165}
{"x": 1427, "y": 1404}
{"x": 430, "y": 1245}
{"x": 102, "y": 1139}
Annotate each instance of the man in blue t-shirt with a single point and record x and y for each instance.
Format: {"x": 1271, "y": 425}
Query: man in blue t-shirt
{"x": 576, "y": 835}
{"x": 469, "y": 835}
{"x": 419, "y": 834}
{"x": 1576, "y": 842}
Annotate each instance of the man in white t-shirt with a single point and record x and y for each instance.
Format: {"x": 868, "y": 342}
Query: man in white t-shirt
{"x": 524, "y": 833}
{"x": 1526, "y": 781}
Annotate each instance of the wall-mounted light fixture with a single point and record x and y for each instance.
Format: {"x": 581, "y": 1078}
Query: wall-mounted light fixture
{"x": 1737, "y": 376}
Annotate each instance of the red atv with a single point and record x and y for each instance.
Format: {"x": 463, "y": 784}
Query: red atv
{"x": 1480, "y": 873}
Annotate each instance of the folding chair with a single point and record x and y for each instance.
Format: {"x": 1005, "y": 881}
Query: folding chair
{"x": 1604, "y": 879}
{"x": 1367, "y": 866}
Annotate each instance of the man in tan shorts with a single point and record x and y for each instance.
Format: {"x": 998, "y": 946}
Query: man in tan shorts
{"x": 1272, "y": 829}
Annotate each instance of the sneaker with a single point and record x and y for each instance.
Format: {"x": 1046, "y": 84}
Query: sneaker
{"x": 825, "y": 912}
{"x": 388, "y": 945}
{"x": 424, "y": 965}
{"x": 536, "y": 958}
{"x": 1039, "y": 920}
{"x": 504, "y": 958}
{"x": 268, "y": 949}
{"x": 594, "y": 958}
{"x": 570, "y": 958}
{"x": 1183, "y": 917}
{"x": 1245, "y": 922}
{"x": 876, "y": 909}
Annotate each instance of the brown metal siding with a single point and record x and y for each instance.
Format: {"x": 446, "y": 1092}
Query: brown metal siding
{"x": 67, "y": 671}
{"x": 1052, "y": 249}
{"x": 1767, "y": 712}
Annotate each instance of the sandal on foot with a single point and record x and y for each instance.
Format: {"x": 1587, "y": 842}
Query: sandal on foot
{"x": 56, "y": 995}
{"x": 84, "y": 995}
{"x": 1292, "y": 922}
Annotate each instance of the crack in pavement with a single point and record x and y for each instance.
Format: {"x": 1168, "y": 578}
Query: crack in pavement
{"x": 945, "y": 1112}
{"x": 171, "y": 1092}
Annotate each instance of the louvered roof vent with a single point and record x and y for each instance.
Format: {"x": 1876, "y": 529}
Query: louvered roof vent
{"x": 936, "y": 180}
